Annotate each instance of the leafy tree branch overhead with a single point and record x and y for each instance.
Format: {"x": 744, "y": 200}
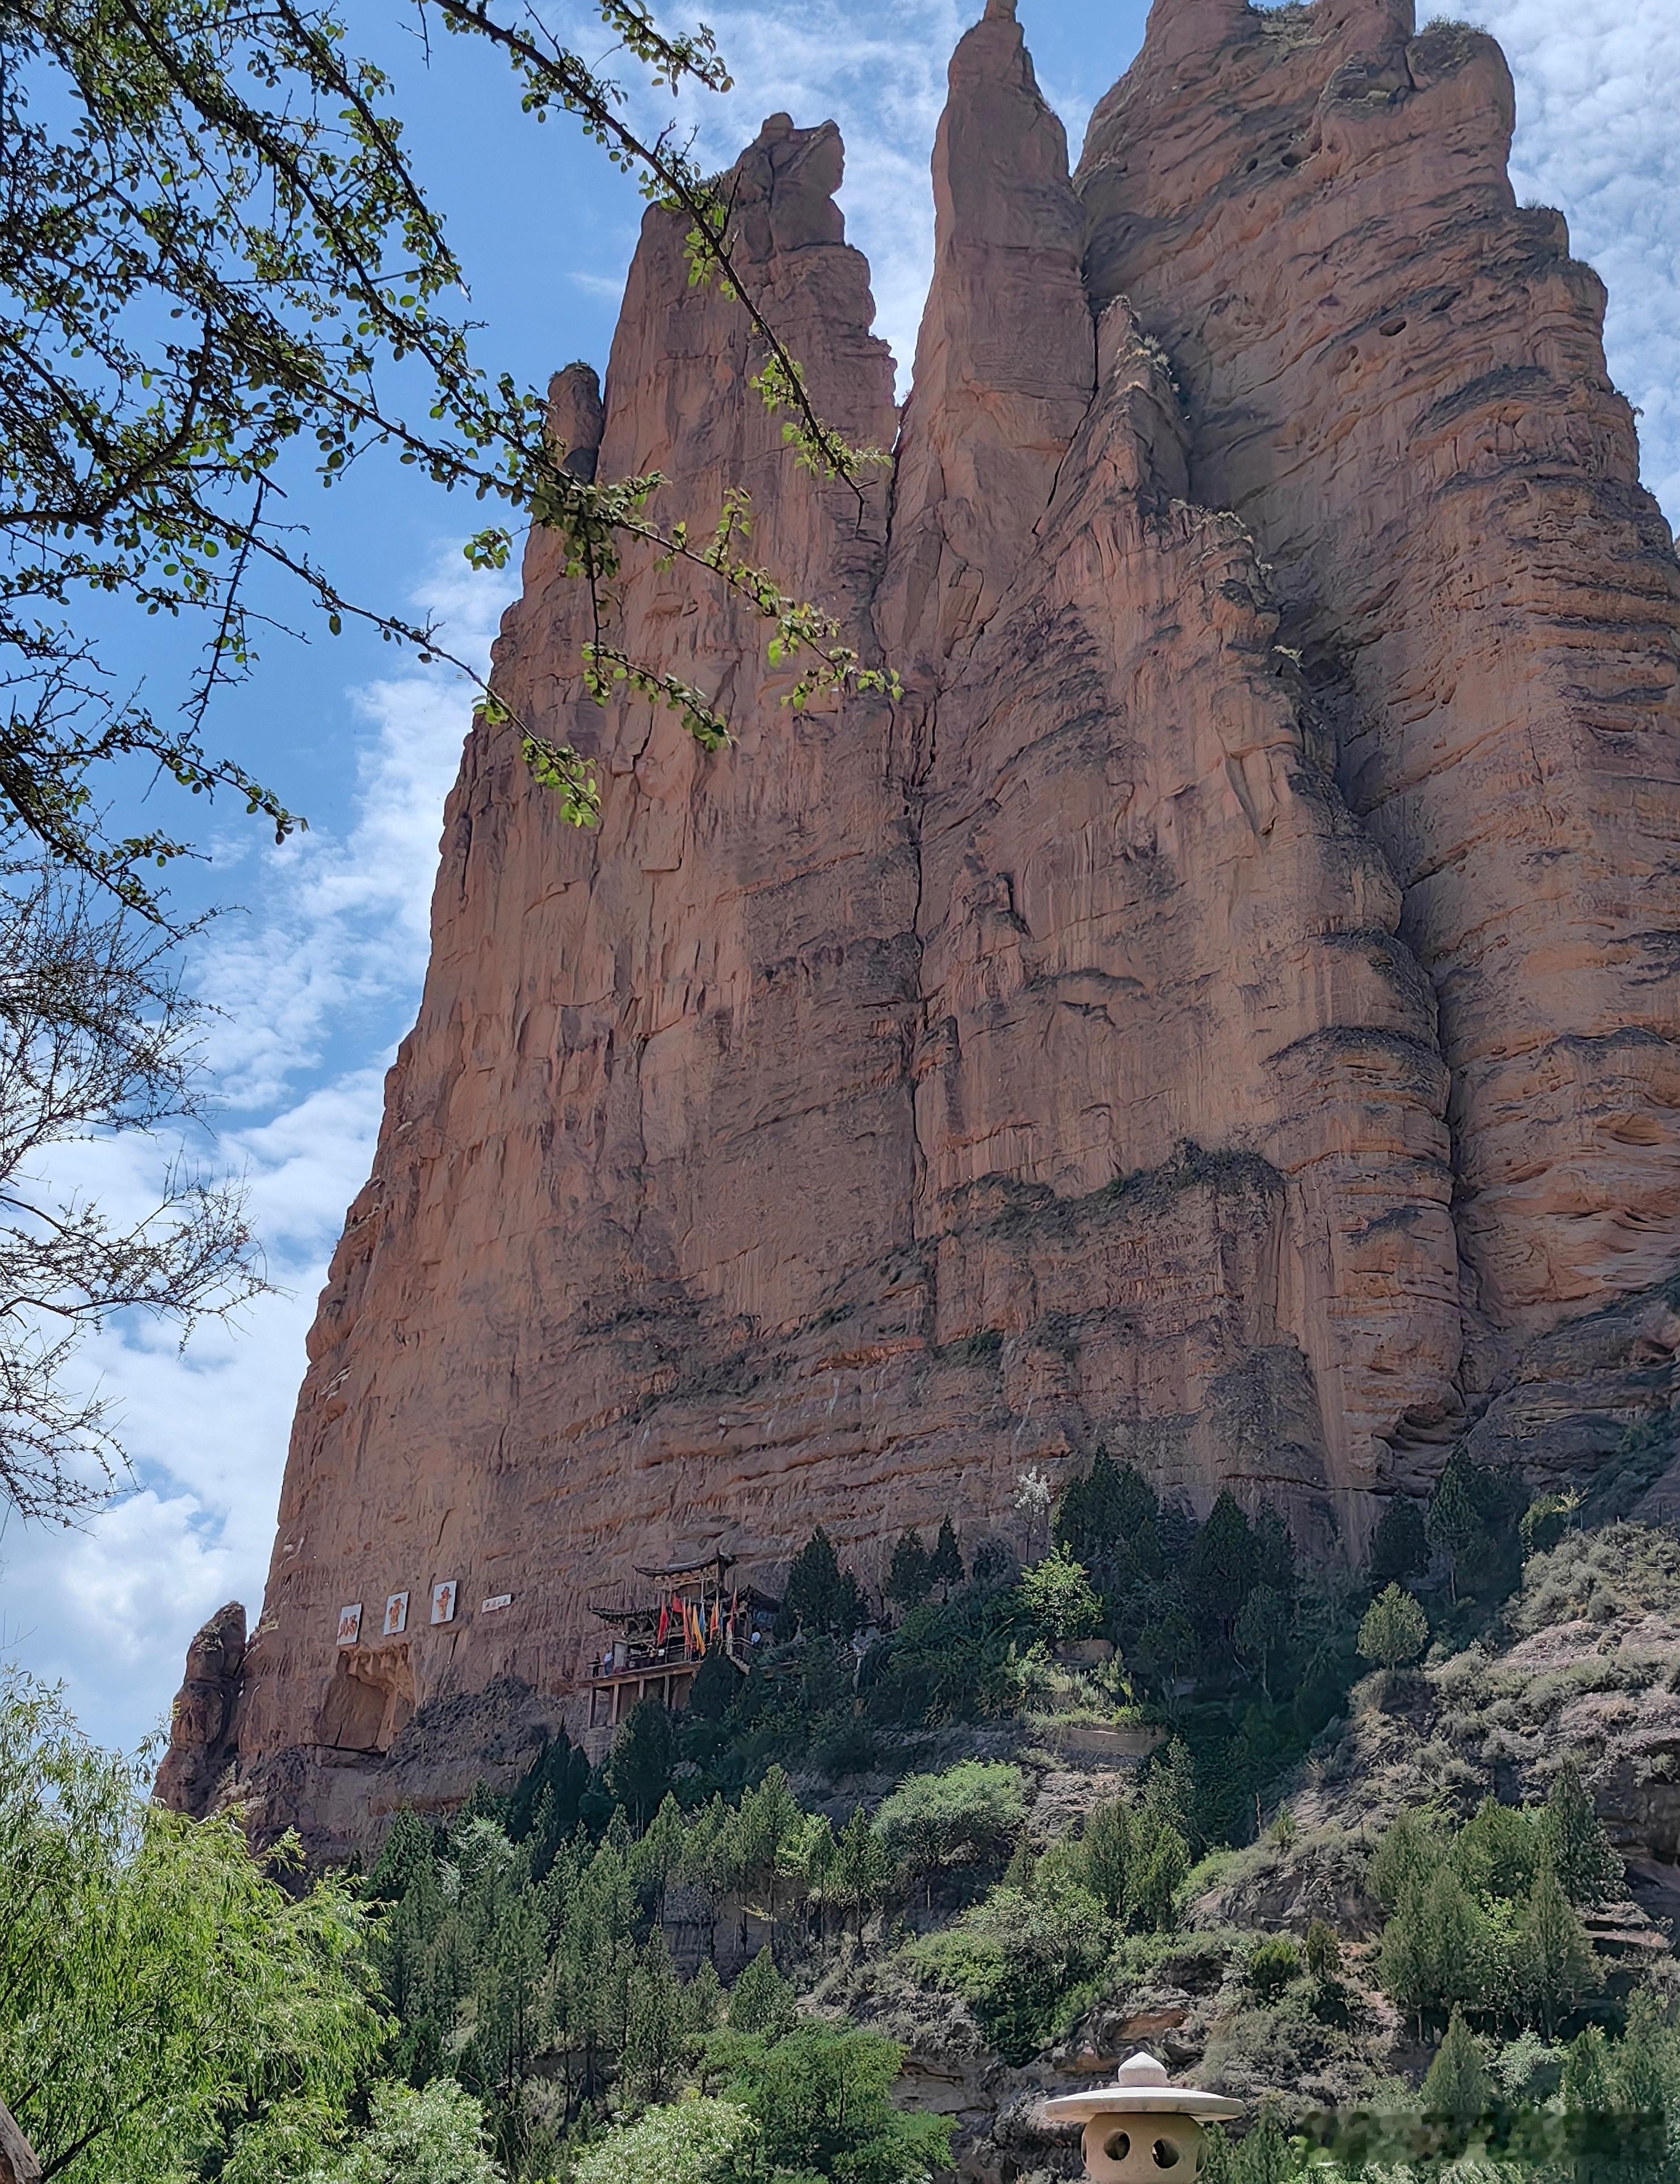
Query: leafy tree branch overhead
{"x": 215, "y": 248}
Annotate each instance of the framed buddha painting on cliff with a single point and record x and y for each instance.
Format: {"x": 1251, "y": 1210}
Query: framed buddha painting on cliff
{"x": 396, "y": 1615}
{"x": 443, "y": 1602}
{"x": 350, "y": 1623}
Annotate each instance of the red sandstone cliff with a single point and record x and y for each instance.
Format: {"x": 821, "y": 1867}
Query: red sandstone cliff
{"x": 1225, "y": 1009}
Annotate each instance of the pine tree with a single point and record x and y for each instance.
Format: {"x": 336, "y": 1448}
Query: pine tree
{"x": 909, "y": 1579}
{"x": 1400, "y": 1547}
{"x": 1222, "y": 1565}
{"x": 411, "y": 1845}
{"x": 657, "y": 2041}
{"x": 1554, "y": 1962}
{"x": 1454, "y": 1521}
{"x": 1322, "y": 1950}
{"x": 1586, "y": 1864}
{"x": 1264, "y": 2156}
{"x": 657, "y": 1857}
{"x": 1106, "y": 1852}
{"x": 716, "y": 1685}
{"x": 863, "y": 1866}
{"x": 820, "y": 1599}
{"x": 1274, "y": 1552}
{"x": 638, "y": 1772}
{"x": 1648, "y": 2092}
{"x": 703, "y": 2001}
{"x": 761, "y": 2000}
{"x": 1405, "y": 1860}
{"x": 1152, "y": 1903}
{"x": 945, "y": 1566}
{"x": 1169, "y": 1793}
{"x": 1262, "y": 1631}
{"x": 1395, "y": 1629}
{"x": 1458, "y": 2086}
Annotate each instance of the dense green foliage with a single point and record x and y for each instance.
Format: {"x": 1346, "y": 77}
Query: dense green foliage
{"x": 168, "y": 2009}
{"x": 1484, "y": 1917}
{"x": 536, "y": 1989}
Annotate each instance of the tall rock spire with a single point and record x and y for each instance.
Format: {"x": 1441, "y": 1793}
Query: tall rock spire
{"x": 1396, "y": 378}
{"x": 1005, "y": 361}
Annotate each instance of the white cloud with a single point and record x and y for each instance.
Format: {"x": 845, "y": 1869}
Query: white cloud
{"x": 331, "y": 957}
{"x": 1596, "y": 137}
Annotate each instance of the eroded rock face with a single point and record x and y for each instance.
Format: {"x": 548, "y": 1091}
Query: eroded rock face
{"x": 1395, "y": 377}
{"x": 1210, "y": 1013}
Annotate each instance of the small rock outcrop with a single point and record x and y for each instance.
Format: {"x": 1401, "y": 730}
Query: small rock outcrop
{"x": 1224, "y": 1010}
{"x": 201, "y": 1747}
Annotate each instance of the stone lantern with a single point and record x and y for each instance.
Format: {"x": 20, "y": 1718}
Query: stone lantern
{"x": 1143, "y": 2125}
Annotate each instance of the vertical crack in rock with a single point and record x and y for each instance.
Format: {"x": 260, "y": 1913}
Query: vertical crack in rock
{"x": 1279, "y": 828}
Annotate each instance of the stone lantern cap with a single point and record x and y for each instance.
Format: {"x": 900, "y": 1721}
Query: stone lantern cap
{"x": 1141, "y": 2088}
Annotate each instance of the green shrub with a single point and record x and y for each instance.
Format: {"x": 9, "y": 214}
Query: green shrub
{"x": 1058, "y": 1600}
{"x": 1271, "y": 1966}
{"x": 965, "y": 1816}
{"x": 1023, "y": 1960}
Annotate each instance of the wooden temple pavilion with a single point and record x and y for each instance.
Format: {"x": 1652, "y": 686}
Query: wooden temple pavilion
{"x": 661, "y": 1625}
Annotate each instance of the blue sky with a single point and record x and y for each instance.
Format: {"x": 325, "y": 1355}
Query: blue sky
{"x": 318, "y": 971}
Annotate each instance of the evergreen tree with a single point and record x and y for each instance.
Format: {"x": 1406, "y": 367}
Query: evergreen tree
{"x": 1458, "y": 2087}
{"x": 761, "y": 2001}
{"x": 1169, "y": 1793}
{"x": 638, "y": 1772}
{"x": 1497, "y": 1852}
{"x": 1403, "y": 1862}
{"x": 1554, "y": 1963}
{"x": 1454, "y": 1521}
{"x": 561, "y": 1771}
{"x": 820, "y": 1599}
{"x": 1322, "y": 1950}
{"x": 909, "y": 1579}
{"x": 1400, "y": 1546}
{"x": 1221, "y": 1572}
{"x": 1591, "y": 2102}
{"x": 945, "y": 1566}
{"x": 1162, "y": 1651}
{"x": 660, "y": 1854}
{"x": 1264, "y": 2156}
{"x": 1106, "y": 1852}
{"x": 1275, "y": 1552}
{"x": 1106, "y": 1520}
{"x": 1262, "y": 1631}
{"x": 1648, "y": 2092}
{"x": 658, "y": 2034}
{"x": 1436, "y": 1949}
{"x": 411, "y": 1845}
{"x": 1581, "y": 1852}
{"x": 863, "y": 1868}
{"x": 1395, "y": 1629}
{"x": 705, "y": 2000}
{"x": 716, "y": 1686}
{"x": 1153, "y": 1901}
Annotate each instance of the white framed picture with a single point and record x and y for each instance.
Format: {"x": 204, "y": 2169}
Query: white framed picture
{"x": 443, "y": 1600}
{"x": 350, "y": 1624}
{"x": 396, "y": 1615}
